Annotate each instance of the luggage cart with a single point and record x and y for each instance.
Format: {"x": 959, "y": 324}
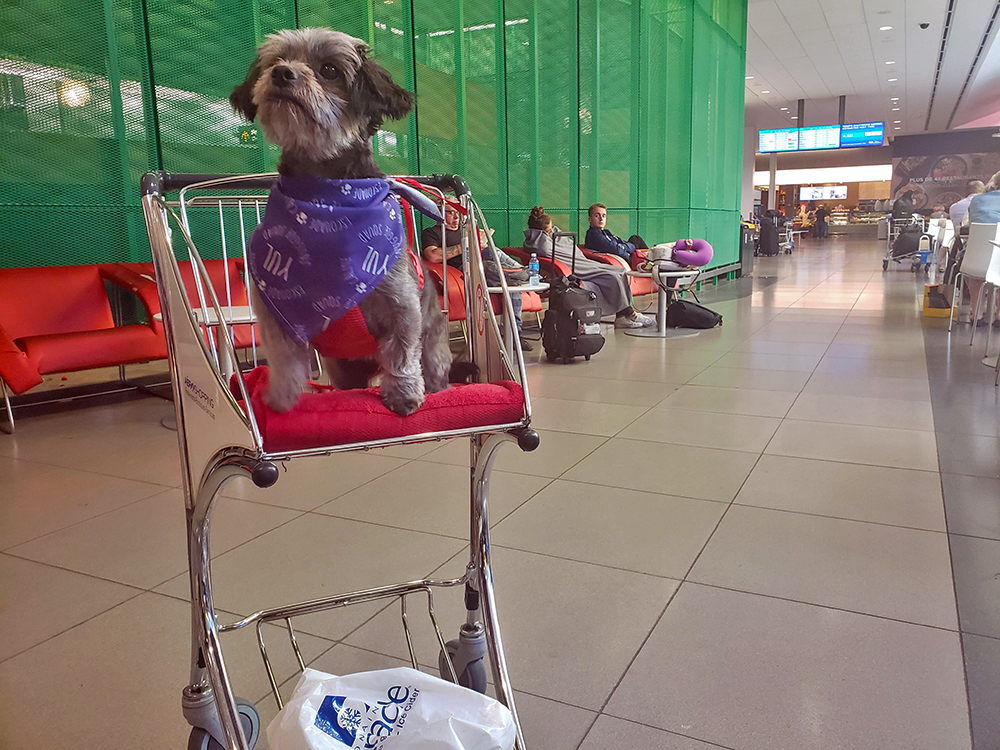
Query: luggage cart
{"x": 919, "y": 257}
{"x": 225, "y": 431}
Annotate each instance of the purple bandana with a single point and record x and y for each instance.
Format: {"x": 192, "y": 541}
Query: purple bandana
{"x": 322, "y": 247}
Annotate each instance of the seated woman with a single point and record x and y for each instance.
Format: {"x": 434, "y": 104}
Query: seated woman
{"x": 431, "y": 251}
{"x": 607, "y": 282}
{"x": 600, "y": 240}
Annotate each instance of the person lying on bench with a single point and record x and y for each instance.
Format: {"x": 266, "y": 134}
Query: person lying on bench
{"x": 600, "y": 240}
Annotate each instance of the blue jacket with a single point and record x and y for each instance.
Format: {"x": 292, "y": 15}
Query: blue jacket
{"x": 602, "y": 241}
{"x": 985, "y": 208}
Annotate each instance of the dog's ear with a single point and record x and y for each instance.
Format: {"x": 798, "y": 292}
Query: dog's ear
{"x": 242, "y": 96}
{"x": 378, "y": 96}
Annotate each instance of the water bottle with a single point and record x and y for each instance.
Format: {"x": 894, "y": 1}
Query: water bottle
{"x": 533, "y": 278}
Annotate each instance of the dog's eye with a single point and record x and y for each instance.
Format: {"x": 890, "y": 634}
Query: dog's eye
{"x": 329, "y": 71}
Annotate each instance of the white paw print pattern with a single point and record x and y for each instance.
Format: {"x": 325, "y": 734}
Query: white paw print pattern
{"x": 346, "y": 188}
{"x": 261, "y": 284}
{"x": 392, "y": 213}
{"x": 301, "y": 217}
{"x": 361, "y": 287}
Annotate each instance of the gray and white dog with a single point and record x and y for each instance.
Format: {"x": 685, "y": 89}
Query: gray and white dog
{"x": 320, "y": 97}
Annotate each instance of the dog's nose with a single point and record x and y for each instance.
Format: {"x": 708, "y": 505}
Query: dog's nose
{"x": 282, "y": 75}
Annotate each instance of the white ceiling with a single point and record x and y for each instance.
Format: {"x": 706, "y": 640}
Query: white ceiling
{"x": 818, "y": 50}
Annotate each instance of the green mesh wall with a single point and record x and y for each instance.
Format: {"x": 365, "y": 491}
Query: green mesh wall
{"x": 634, "y": 103}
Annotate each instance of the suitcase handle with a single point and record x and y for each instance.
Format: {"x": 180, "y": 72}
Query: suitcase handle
{"x": 572, "y": 264}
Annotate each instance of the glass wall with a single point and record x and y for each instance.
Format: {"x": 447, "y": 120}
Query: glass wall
{"x": 634, "y": 103}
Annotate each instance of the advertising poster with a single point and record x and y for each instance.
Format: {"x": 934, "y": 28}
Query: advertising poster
{"x": 940, "y": 179}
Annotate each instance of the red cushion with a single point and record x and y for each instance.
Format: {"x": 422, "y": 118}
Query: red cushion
{"x": 68, "y": 352}
{"x": 53, "y": 299}
{"x": 342, "y": 417}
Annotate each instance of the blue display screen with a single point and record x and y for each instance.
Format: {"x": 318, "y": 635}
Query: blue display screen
{"x": 862, "y": 134}
{"x": 786, "y": 139}
{"x": 822, "y": 137}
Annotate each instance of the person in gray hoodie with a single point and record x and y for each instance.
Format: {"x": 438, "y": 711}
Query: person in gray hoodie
{"x": 608, "y": 282}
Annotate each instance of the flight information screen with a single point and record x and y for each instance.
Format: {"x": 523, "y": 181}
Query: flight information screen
{"x": 786, "y": 139}
{"x": 862, "y": 134}
{"x": 824, "y": 136}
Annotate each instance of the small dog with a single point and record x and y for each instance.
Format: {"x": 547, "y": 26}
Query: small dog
{"x": 320, "y": 97}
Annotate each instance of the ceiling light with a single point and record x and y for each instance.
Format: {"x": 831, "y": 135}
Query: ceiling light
{"x": 765, "y": 91}
{"x": 894, "y": 99}
{"x": 749, "y": 77}
{"x": 74, "y": 93}
{"x": 890, "y": 62}
{"x": 885, "y": 28}
{"x": 795, "y": 117}
{"x": 893, "y": 80}
{"x": 896, "y": 122}
{"x": 784, "y": 109}
{"x": 895, "y": 109}
{"x": 897, "y": 128}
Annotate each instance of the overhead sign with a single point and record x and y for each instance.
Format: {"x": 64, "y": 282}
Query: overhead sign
{"x": 786, "y": 139}
{"x": 823, "y": 193}
{"x": 862, "y": 134}
{"x": 824, "y": 136}
{"x": 850, "y": 135}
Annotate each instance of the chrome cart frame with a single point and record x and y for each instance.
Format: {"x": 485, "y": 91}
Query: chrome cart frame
{"x": 219, "y": 439}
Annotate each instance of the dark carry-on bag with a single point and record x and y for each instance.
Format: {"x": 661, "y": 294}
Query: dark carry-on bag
{"x": 572, "y": 325}
{"x": 684, "y": 314}
{"x": 908, "y": 241}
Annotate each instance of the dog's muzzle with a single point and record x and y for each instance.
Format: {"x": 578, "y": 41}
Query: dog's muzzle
{"x": 283, "y": 76}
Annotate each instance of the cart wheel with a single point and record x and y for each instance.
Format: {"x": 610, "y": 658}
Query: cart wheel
{"x": 885, "y": 265}
{"x": 586, "y": 357}
{"x": 551, "y": 357}
{"x": 199, "y": 739}
{"x": 472, "y": 677}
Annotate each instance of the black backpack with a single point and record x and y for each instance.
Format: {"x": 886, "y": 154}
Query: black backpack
{"x": 572, "y": 325}
{"x": 684, "y": 314}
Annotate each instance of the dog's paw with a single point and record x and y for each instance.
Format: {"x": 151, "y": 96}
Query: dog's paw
{"x": 281, "y": 399}
{"x": 402, "y": 396}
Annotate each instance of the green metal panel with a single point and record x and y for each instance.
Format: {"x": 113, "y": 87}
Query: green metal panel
{"x": 635, "y": 103}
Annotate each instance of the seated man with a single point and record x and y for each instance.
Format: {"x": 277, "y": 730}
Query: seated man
{"x": 600, "y": 240}
{"x": 430, "y": 242}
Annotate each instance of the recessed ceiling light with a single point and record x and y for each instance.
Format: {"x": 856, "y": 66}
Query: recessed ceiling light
{"x": 890, "y": 62}
{"x": 894, "y": 99}
{"x": 893, "y": 80}
{"x": 795, "y": 117}
{"x": 897, "y": 128}
{"x": 896, "y": 122}
{"x": 765, "y": 91}
{"x": 885, "y": 28}
{"x": 895, "y": 109}
{"x": 784, "y": 109}
{"x": 749, "y": 77}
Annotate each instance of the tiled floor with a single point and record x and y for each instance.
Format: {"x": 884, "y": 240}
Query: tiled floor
{"x": 740, "y": 540}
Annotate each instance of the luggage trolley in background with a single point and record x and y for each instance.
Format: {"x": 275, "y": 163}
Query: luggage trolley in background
{"x": 225, "y": 431}
{"x": 919, "y": 255}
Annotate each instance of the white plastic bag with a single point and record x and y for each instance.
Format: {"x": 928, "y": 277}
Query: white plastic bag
{"x": 390, "y": 709}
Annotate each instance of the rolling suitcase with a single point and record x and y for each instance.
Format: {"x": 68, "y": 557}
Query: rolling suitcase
{"x": 572, "y": 325}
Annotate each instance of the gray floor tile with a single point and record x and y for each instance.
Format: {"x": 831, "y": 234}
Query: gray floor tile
{"x": 640, "y": 531}
{"x": 972, "y": 505}
{"x": 877, "y": 446}
{"x": 732, "y": 668}
{"x": 977, "y": 585}
{"x": 735, "y": 432}
{"x": 609, "y": 733}
{"x": 880, "y": 570}
{"x": 975, "y": 455}
{"x": 40, "y": 498}
{"x": 682, "y": 470}
{"x": 982, "y": 662}
{"x": 901, "y": 497}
